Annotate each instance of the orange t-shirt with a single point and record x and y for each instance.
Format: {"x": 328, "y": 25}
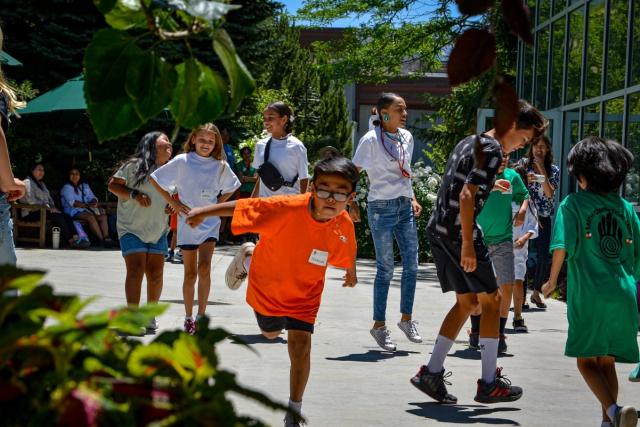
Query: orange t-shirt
{"x": 287, "y": 272}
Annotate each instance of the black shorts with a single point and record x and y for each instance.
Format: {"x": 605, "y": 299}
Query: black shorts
{"x": 446, "y": 256}
{"x": 194, "y": 247}
{"x": 278, "y": 323}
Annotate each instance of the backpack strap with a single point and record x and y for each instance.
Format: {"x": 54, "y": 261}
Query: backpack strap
{"x": 266, "y": 151}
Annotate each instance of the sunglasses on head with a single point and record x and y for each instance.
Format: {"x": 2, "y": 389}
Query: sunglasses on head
{"x": 338, "y": 197}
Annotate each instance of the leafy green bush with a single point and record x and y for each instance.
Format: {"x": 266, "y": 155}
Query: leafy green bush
{"x": 59, "y": 366}
{"x": 425, "y": 186}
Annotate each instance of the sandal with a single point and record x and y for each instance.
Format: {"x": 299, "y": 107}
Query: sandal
{"x": 538, "y": 302}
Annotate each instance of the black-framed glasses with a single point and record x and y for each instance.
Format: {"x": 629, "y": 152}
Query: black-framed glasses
{"x": 338, "y": 197}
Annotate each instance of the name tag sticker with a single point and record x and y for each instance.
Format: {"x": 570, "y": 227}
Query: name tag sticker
{"x": 319, "y": 258}
{"x": 206, "y": 194}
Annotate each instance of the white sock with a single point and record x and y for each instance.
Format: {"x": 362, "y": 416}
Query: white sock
{"x": 611, "y": 412}
{"x": 247, "y": 262}
{"x": 440, "y": 351}
{"x": 188, "y": 317}
{"x": 489, "y": 354}
{"x": 296, "y": 406}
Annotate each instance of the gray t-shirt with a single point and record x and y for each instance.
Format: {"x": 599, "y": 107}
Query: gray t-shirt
{"x": 148, "y": 224}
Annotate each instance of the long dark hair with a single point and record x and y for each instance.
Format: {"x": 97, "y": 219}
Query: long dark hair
{"x": 80, "y": 182}
{"x": 144, "y": 158}
{"x": 548, "y": 158}
{"x": 33, "y": 178}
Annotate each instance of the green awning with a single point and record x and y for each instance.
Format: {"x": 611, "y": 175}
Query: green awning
{"x": 69, "y": 96}
{"x": 7, "y": 59}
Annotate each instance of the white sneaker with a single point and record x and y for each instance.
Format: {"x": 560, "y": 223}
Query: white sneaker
{"x": 410, "y": 330}
{"x": 383, "y": 338}
{"x": 236, "y": 273}
{"x": 152, "y": 327}
{"x": 177, "y": 258}
{"x": 626, "y": 417}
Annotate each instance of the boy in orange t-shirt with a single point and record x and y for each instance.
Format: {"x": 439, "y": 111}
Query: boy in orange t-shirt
{"x": 299, "y": 236}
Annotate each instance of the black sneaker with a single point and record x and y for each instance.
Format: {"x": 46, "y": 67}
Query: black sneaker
{"x": 474, "y": 340}
{"x": 500, "y": 390}
{"x": 434, "y": 385}
{"x": 502, "y": 344}
{"x": 519, "y": 326}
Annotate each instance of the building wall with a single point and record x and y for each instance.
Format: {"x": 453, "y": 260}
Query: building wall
{"x": 583, "y": 72}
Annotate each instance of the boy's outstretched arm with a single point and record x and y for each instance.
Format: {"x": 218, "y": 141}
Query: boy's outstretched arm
{"x": 468, "y": 259}
{"x": 197, "y": 215}
{"x": 556, "y": 266}
{"x": 351, "y": 278}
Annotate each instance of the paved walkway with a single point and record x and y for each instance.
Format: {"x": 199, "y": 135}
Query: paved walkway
{"x": 352, "y": 383}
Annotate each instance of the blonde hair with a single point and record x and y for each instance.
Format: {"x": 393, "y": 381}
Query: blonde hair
{"x": 218, "y": 149}
{"x": 13, "y": 103}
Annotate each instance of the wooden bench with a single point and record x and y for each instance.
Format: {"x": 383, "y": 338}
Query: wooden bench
{"x": 39, "y": 225}
{"x": 20, "y": 226}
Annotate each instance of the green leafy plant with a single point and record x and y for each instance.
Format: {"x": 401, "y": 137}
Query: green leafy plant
{"x": 129, "y": 80}
{"x": 60, "y": 366}
{"x": 425, "y": 187}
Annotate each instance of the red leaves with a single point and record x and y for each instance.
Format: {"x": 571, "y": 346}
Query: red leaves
{"x": 473, "y": 54}
{"x": 506, "y": 108}
{"x": 517, "y": 16}
{"x": 473, "y": 7}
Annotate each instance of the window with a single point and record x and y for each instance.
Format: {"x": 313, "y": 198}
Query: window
{"x": 574, "y": 63}
{"x": 635, "y": 61}
{"x": 544, "y": 11}
{"x": 558, "y": 6}
{"x": 616, "y": 50}
{"x": 632, "y": 183}
{"x": 595, "y": 37}
{"x": 591, "y": 121}
{"x": 527, "y": 79}
{"x": 613, "y": 110}
{"x": 557, "y": 64}
{"x": 541, "y": 69}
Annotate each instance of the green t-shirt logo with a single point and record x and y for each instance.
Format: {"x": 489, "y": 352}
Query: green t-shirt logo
{"x": 612, "y": 232}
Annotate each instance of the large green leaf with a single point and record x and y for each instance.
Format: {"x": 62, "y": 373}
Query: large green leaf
{"x": 106, "y": 61}
{"x": 208, "y": 10}
{"x": 105, "y": 6}
{"x": 126, "y": 14}
{"x": 242, "y": 83}
{"x": 150, "y": 83}
{"x": 145, "y": 361}
{"x": 200, "y": 94}
{"x": 189, "y": 355}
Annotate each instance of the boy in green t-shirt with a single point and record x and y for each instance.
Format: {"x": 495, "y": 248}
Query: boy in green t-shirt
{"x": 497, "y": 231}
{"x": 599, "y": 233}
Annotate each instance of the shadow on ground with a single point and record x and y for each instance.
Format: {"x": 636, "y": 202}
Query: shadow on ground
{"x": 195, "y": 303}
{"x": 257, "y": 339}
{"x": 471, "y": 354}
{"x": 462, "y": 414}
{"x": 372, "y": 356}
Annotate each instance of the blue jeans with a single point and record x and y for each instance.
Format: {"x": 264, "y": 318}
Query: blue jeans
{"x": 389, "y": 219}
{"x": 7, "y": 247}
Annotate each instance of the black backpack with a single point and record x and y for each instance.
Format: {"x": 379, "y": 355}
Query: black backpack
{"x": 270, "y": 175}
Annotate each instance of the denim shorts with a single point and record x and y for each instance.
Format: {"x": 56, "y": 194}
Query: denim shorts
{"x": 131, "y": 244}
{"x": 502, "y": 258}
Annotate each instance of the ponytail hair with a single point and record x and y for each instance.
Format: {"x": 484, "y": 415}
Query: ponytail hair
{"x": 385, "y": 101}
{"x": 12, "y": 100}
{"x": 283, "y": 110}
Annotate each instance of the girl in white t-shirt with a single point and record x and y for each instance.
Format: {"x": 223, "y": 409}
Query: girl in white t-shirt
{"x": 286, "y": 152}
{"x": 385, "y": 154}
{"x": 201, "y": 176}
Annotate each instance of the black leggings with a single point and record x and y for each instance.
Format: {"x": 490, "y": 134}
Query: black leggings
{"x": 542, "y": 243}
{"x": 58, "y": 219}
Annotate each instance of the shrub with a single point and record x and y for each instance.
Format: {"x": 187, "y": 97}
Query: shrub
{"x": 425, "y": 186}
{"x": 61, "y": 367}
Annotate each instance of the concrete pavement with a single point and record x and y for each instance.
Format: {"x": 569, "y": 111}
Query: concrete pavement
{"x": 352, "y": 382}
